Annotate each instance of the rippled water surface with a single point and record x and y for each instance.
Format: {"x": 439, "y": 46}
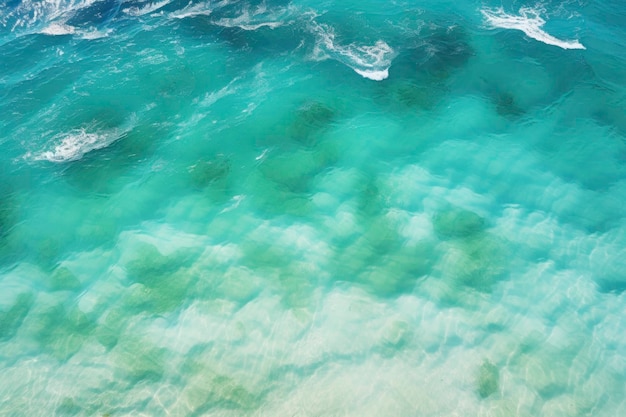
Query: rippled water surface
{"x": 312, "y": 208}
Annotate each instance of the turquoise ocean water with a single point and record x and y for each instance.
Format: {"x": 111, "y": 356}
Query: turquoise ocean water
{"x": 312, "y": 208}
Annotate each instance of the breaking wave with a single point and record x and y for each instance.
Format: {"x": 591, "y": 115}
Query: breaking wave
{"x": 369, "y": 61}
{"x": 253, "y": 20}
{"x": 87, "y": 19}
{"x": 530, "y": 22}
{"x": 75, "y": 144}
{"x": 146, "y": 8}
{"x": 57, "y": 29}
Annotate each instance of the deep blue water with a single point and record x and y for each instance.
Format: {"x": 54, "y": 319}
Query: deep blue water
{"x": 312, "y": 208}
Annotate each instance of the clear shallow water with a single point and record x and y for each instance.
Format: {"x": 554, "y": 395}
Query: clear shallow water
{"x": 310, "y": 208}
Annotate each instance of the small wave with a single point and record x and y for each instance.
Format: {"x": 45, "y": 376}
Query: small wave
{"x": 246, "y": 23}
{"x": 73, "y": 145}
{"x": 213, "y": 97}
{"x": 199, "y": 9}
{"x": 57, "y": 29}
{"x": 247, "y": 19}
{"x": 370, "y": 62}
{"x": 261, "y": 17}
{"x": 32, "y": 14}
{"x": 58, "y": 18}
{"x": 530, "y": 22}
{"x": 95, "y": 34}
{"x": 147, "y": 8}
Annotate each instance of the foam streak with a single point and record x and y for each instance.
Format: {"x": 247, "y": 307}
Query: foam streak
{"x": 528, "y": 22}
{"x": 371, "y": 62}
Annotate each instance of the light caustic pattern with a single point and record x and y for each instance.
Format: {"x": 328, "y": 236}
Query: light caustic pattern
{"x": 279, "y": 209}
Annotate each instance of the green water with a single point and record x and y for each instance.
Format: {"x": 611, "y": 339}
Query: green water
{"x": 220, "y": 210}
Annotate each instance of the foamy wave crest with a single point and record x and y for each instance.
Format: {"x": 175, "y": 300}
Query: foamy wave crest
{"x": 57, "y": 18}
{"x": 56, "y": 29}
{"x": 32, "y": 14}
{"x": 371, "y": 62}
{"x": 199, "y": 9}
{"x": 95, "y": 34}
{"x": 530, "y": 22}
{"x": 73, "y": 145}
{"x": 147, "y": 8}
{"x": 259, "y": 17}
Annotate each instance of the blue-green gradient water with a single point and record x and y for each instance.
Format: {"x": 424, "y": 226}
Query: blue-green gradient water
{"x": 312, "y": 208}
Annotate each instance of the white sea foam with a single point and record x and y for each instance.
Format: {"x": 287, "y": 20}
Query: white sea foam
{"x": 530, "y": 22}
{"x": 369, "y": 61}
{"x": 57, "y": 29}
{"x": 50, "y": 17}
{"x": 373, "y": 75}
{"x": 260, "y": 17}
{"x": 31, "y": 14}
{"x": 199, "y": 9}
{"x": 73, "y": 145}
{"x": 94, "y": 34}
{"x": 147, "y": 8}
{"x": 215, "y": 96}
{"x": 245, "y": 22}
